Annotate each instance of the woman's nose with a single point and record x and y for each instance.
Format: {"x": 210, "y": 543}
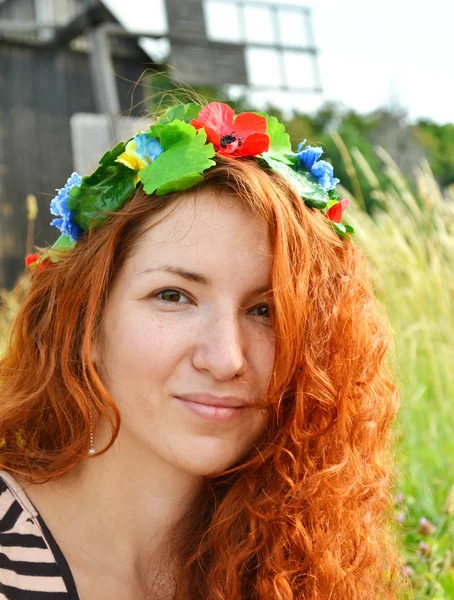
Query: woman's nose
{"x": 220, "y": 348}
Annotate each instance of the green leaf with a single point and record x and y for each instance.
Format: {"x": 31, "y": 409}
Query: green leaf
{"x": 293, "y": 161}
{"x": 334, "y": 194}
{"x": 107, "y": 189}
{"x": 306, "y": 184}
{"x": 170, "y": 134}
{"x": 180, "y": 167}
{"x": 64, "y": 242}
{"x": 182, "y": 112}
{"x": 156, "y": 130}
{"x": 339, "y": 228}
{"x": 280, "y": 144}
{"x": 349, "y": 228}
{"x": 110, "y": 157}
{"x": 175, "y": 132}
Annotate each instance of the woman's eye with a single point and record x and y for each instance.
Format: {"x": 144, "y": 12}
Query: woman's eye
{"x": 261, "y": 310}
{"x": 172, "y": 297}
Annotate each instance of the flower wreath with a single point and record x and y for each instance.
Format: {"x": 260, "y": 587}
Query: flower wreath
{"x": 173, "y": 155}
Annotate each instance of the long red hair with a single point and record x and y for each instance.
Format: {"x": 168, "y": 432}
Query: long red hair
{"x": 306, "y": 514}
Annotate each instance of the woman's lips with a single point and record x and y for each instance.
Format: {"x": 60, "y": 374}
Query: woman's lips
{"x": 213, "y": 413}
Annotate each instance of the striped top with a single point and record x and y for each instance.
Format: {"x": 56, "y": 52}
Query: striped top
{"x": 32, "y": 566}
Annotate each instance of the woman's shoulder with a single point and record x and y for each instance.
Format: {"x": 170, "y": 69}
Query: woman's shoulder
{"x": 27, "y": 563}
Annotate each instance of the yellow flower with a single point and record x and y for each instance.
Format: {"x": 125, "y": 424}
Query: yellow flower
{"x": 131, "y": 158}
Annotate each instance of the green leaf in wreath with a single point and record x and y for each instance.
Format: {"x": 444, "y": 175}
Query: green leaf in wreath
{"x": 180, "y": 167}
{"x": 64, "y": 242}
{"x": 156, "y": 130}
{"x": 342, "y": 229}
{"x": 280, "y": 144}
{"x": 334, "y": 194}
{"x": 110, "y": 156}
{"x": 105, "y": 191}
{"x": 170, "y": 134}
{"x": 305, "y": 184}
{"x": 182, "y": 112}
{"x": 175, "y": 132}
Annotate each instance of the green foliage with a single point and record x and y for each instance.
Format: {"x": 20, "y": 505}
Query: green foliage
{"x": 182, "y": 165}
{"x": 359, "y": 134}
{"x": 353, "y": 138}
{"x": 280, "y": 144}
{"x": 170, "y": 134}
{"x": 410, "y": 244}
{"x": 106, "y": 190}
{"x": 357, "y": 130}
{"x": 111, "y": 156}
{"x": 439, "y": 143}
{"x": 182, "y": 112}
{"x": 306, "y": 184}
{"x": 64, "y": 242}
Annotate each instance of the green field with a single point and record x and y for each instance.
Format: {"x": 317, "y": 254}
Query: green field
{"x": 410, "y": 244}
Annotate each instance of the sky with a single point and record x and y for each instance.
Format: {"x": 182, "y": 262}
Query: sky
{"x": 371, "y": 53}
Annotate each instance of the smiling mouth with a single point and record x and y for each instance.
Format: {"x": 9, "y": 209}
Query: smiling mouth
{"x": 213, "y": 413}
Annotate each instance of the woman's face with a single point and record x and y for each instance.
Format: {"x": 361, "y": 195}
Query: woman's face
{"x": 187, "y": 326}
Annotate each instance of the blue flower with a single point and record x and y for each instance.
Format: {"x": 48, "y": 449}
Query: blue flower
{"x": 59, "y": 207}
{"x": 324, "y": 173}
{"x": 309, "y": 155}
{"x": 140, "y": 152}
{"x": 148, "y": 147}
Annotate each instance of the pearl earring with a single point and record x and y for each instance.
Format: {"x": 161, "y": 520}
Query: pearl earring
{"x": 92, "y": 448}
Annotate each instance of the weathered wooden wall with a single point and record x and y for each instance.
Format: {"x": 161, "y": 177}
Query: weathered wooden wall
{"x": 40, "y": 88}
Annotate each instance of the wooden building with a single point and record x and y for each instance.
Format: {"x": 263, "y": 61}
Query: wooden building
{"x": 44, "y": 80}
{"x": 60, "y": 59}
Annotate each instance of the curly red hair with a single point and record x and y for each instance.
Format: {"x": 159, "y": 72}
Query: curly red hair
{"x": 306, "y": 514}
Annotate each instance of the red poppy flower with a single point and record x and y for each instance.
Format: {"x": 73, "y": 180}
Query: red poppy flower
{"x": 31, "y": 258}
{"x": 335, "y": 212}
{"x": 244, "y": 135}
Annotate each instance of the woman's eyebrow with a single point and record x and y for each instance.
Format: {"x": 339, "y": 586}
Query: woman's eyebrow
{"x": 192, "y": 276}
{"x": 189, "y": 275}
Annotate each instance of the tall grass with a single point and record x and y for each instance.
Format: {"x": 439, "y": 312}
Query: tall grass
{"x": 411, "y": 247}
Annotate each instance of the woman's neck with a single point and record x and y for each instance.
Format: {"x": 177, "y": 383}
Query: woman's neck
{"x": 117, "y": 509}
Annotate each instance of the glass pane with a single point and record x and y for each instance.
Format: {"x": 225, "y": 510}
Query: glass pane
{"x": 264, "y": 67}
{"x": 222, "y": 21}
{"x": 293, "y": 27}
{"x": 259, "y": 26}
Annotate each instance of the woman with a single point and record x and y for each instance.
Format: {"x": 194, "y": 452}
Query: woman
{"x": 195, "y": 402}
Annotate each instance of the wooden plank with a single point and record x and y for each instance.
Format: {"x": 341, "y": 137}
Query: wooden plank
{"x": 208, "y": 63}
{"x": 186, "y": 19}
{"x": 40, "y": 89}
